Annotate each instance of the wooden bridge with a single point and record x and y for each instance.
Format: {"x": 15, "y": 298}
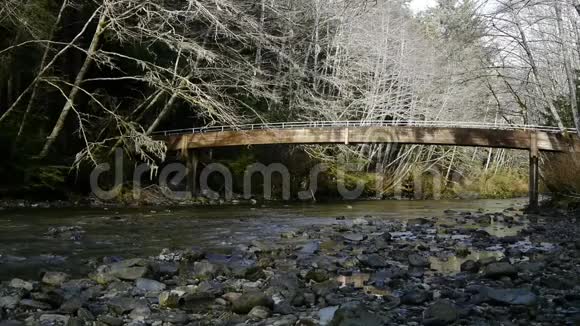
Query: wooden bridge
{"x": 523, "y": 137}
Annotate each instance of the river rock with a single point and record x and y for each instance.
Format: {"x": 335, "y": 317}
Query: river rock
{"x": 103, "y": 275}
{"x": 140, "y": 313}
{"x": 325, "y": 288}
{"x": 353, "y": 237}
{"x": 416, "y": 260}
{"x": 21, "y": 284}
{"x": 11, "y": 323}
{"x": 169, "y": 299}
{"x": 317, "y": 275}
{"x": 360, "y": 221}
{"x": 85, "y": 315}
{"x": 206, "y": 290}
{"x": 148, "y": 285}
{"x": 71, "y": 306}
{"x": 9, "y": 302}
{"x": 247, "y": 301}
{"x": 558, "y": 283}
{"x": 440, "y": 313}
{"x": 33, "y": 304}
{"x": 354, "y": 313}
{"x": 309, "y": 248}
{"x": 110, "y": 320}
{"x": 510, "y": 296}
{"x": 204, "y": 269}
{"x": 129, "y": 273}
{"x": 373, "y": 261}
{"x": 259, "y": 313}
{"x": 231, "y": 296}
{"x": 53, "y": 298}
{"x": 419, "y": 221}
{"x": 415, "y": 297}
{"x": 166, "y": 268}
{"x": 172, "y": 317}
{"x": 53, "y": 319}
{"x": 325, "y": 315}
{"x": 122, "y": 305}
{"x": 470, "y": 266}
{"x": 497, "y": 270}
{"x": 54, "y": 278}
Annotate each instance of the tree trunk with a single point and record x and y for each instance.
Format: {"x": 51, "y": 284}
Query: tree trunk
{"x": 536, "y": 73}
{"x": 41, "y": 68}
{"x": 567, "y": 67}
{"x": 101, "y": 26}
{"x": 166, "y": 109}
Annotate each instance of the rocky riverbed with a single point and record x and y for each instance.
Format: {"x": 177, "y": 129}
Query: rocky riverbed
{"x": 354, "y": 271}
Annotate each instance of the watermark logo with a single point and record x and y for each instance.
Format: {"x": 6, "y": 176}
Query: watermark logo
{"x": 107, "y": 181}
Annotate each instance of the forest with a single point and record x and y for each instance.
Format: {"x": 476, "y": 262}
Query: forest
{"x": 79, "y": 79}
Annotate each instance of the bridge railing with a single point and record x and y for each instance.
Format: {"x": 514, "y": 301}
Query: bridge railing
{"x": 361, "y": 123}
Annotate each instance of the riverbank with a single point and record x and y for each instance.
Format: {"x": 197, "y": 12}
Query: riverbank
{"x": 349, "y": 271}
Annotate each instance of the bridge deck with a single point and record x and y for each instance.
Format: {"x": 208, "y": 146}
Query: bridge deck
{"x": 478, "y": 135}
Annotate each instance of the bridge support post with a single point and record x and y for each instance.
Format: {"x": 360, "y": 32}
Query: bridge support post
{"x": 534, "y": 172}
{"x": 191, "y": 168}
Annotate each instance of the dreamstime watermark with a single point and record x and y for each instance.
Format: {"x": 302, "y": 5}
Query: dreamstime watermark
{"x": 172, "y": 177}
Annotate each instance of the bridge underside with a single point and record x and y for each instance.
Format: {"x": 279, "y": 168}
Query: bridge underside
{"x": 513, "y": 139}
{"x": 531, "y": 140}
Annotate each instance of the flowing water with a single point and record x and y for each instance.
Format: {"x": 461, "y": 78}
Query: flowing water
{"x": 35, "y": 239}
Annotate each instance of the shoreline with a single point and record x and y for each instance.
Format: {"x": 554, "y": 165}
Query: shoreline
{"x": 88, "y": 203}
{"x": 364, "y": 271}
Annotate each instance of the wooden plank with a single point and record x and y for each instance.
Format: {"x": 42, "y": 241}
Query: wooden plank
{"x": 514, "y": 139}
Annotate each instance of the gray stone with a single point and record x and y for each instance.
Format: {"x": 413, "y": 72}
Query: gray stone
{"x": 354, "y": 313}
{"x": 247, "y": 301}
{"x": 85, "y": 315}
{"x": 121, "y": 305}
{"x": 317, "y": 275}
{"x": 497, "y": 270}
{"x": 414, "y": 297}
{"x": 169, "y": 299}
{"x": 470, "y": 266}
{"x": 148, "y": 285}
{"x": 140, "y": 313}
{"x": 174, "y": 317}
{"x": 21, "y": 284}
{"x": 130, "y": 269}
{"x": 129, "y": 273}
{"x": 259, "y": 313}
{"x": 309, "y": 248}
{"x": 204, "y": 269}
{"x": 325, "y": 288}
{"x": 360, "y": 221}
{"x": 71, "y": 306}
{"x": 232, "y": 296}
{"x": 440, "y": 313}
{"x": 28, "y": 303}
{"x": 110, "y": 320}
{"x": 206, "y": 290}
{"x": 374, "y": 261}
{"x": 11, "y": 323}
{"x": 54, "y": 318}
{"x": 416, "y": 260}
{"x": 325, "y": 315}
{"x": 75, "y": 322}
{"x": 103, "y": 275}
{"x": 510, "y": 296}
{"x": 558, "y": 283}
{"x": 54, "y": 278}
{"x": 353, "y": 237}
{"x": 9, "y": 302}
